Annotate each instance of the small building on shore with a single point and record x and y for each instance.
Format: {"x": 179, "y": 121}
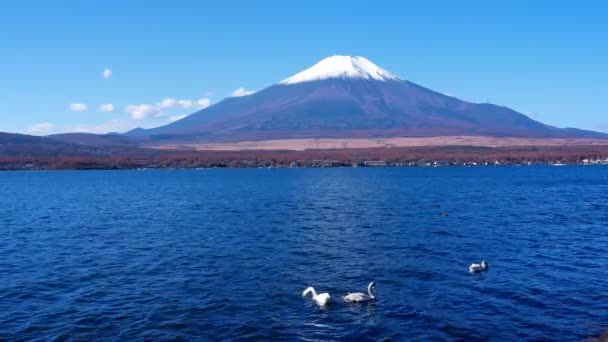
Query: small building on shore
{"x": 375, "y": 163}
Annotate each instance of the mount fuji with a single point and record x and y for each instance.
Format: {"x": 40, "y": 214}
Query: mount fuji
{"x": 351, "y": 97}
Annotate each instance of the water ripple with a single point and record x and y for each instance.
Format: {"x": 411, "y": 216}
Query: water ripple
{"x": 225, "y": 254}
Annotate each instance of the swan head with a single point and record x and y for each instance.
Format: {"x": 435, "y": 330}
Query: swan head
{"x": 485, "y": 264}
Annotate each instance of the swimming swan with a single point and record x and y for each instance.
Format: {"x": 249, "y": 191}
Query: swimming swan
{"x": 322, "y": 298}
{"x": 359, "y": 297}
{"x": 474, "y": 268}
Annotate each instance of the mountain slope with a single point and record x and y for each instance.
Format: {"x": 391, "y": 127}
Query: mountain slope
{"x": 344, "y": 96}
{"x": 28, "y": 146}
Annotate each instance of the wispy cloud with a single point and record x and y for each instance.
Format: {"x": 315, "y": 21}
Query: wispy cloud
{"x": 107, "y": 107}
{"x": 144, "y": 111}
{"x": 41, "y": 128}
{"x": 203, "y": 103}
{"x": 242, "y": 92}
{"x": 176, "y": 117}
{"x": 114, "y": 125}
{"x": 106, "y": 73}
{"x": 602, "y": 127}
{"x": 185, "y": 104}
{"x": 158, "y": 110}
{"x": 167, "y": 103}
{"x": 77, "y": 107}
{"x": 173, "y": 103}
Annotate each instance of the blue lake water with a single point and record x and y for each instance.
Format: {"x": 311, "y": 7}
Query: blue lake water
{"x": 225, "y": 254}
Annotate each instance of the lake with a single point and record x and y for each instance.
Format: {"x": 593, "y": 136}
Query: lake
{"x": 225, "y": 254}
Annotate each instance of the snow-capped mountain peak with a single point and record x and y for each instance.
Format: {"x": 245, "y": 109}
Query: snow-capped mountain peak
{"x": 342, "y": 67}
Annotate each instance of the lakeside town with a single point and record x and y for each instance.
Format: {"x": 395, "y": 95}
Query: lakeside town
{"x": 299, "y": 164}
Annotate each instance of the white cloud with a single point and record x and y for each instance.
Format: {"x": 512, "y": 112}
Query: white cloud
{"x": 144, "y": 111}
{"x": 41, "y": 128}
{"x": 148, "y": 111}
{"x": 107, "y": 107}
{"x": 242, "y": 92}
{"x": 78, "y": 107}
{"x": 167, "y": 103}
{"x": 173, "y": 103}
{"x": 203, "y": 103}
{"x": 185, "y": 103}
{"x": 107, "y": 73}
{"x": 176, "y": 117}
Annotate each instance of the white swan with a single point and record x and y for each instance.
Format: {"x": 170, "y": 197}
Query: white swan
{"x": 359, "y": 297}
{"x": 322, "y": 298}
{"x": 483, "y": 266}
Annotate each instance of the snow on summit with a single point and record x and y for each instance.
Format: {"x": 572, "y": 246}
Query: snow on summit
{"x": 342, "y": 67}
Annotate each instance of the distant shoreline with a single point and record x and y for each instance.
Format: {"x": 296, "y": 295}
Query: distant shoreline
{"x": 427, "y": 156}
{"x": 302, "y": 167}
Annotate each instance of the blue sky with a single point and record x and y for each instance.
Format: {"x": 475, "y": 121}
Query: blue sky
{"x": 548, "y": 59}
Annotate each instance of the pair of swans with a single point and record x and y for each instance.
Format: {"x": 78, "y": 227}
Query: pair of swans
{"x": 324, "y": 299}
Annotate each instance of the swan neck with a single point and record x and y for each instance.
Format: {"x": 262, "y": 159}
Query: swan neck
{"x": 311, "y": 290}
